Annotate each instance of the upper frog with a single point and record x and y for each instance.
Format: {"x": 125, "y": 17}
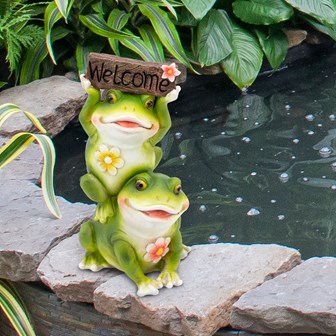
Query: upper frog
{"x": 123, "y": 131}
{"x": 143, "y": 235}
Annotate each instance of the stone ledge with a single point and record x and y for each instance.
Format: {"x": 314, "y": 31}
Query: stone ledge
{"x": 300, "y": 301}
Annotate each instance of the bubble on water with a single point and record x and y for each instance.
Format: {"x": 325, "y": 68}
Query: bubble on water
{"x": 257, "y": 123}
{"x": 332, "y": 117}
{"x": 310, "y": 117}
{"x": 253, "y": 212}
{"x": 284, "y": 177}
{"x": 239, "y": 199}
{"x": 246, "y": 139}
{"x": 178, "y": 135}
{"x": 273, "y": 201}
{"x": 287, "y": 107}
{"x": 324, "y": 177}
{"x": 214, "y": 189}
{"x": 233, "y": 236}
{"x": 281, "y": 217}
{"x": 213, "y": 239}
{"x": 247, "y": 105}
{"x": 293, "y": 157}
{"x": 319, "y": 125}
{"x": 223, "y": 133}
{"x": 325, "y": 152}
{"x": 261, "y": 149}
{"x": 245, "y": 118}
{"x": 296, "y": 141}
{"x": 311, "y": 132}
{"x": 253, "y": 174}
{"x": 183, "y": 156}
{"x": 203, "y": 208}
{"x": 333, "y": 187}
{"x": 333, "y": 166}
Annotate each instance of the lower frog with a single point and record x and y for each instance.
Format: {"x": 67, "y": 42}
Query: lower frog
{"x": 143, "y": 235}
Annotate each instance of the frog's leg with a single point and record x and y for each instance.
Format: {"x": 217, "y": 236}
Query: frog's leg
{"x": 92, "y": 260}
{"x": 96, "y": 191}
{"x": 129, "y": 264}
{"x": 169, "y": 276}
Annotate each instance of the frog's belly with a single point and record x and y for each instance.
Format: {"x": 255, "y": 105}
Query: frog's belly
{"x": 114, "y": 169}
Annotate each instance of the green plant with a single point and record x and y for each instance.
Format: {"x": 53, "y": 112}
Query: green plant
{"x": 17, "y": 32}
{"x": 14, "y": 309}
{"x": 20, "y": 142}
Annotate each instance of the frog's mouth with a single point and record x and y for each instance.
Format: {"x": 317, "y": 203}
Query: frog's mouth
{"x": 127, "y": 123}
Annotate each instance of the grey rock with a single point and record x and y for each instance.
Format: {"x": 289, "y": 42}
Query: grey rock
{"x": 59, "y": 270}
{"x": 300, "y": 301}
{"x": 214, "y": 276}
{"x": 29, "y": 231}
{"x": 54, "y": 101}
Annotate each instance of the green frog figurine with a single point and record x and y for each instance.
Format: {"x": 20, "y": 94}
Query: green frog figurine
{"x": 123, "y": 131}
{"x": 143, "y": 235}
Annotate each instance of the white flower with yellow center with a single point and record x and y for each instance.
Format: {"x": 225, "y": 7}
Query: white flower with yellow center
{"x": 109, "y": 159}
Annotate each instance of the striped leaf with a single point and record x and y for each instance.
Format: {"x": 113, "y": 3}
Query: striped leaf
{"x": 17, "y": 145}
{"x": 7, "y": 110}
{"x": 166, "y": 31}
{"x": 152, "y": 41}
{"x": 97, "y": 24}
{"x": 51, "y": 16}
{"x": 64, "y": 7}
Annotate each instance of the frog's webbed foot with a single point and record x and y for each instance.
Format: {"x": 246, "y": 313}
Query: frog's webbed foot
{"x": 169, "y": 279}
{"x": 94, "y": 262}
{"x": 185, "y": 251}
{"x": 148, "y": 287}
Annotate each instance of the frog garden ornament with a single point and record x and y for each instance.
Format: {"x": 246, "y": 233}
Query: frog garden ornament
{"x": 143, "y": 235}
{"x": 123, "y": 131}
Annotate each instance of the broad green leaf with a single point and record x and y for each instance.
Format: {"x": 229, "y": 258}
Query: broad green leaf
{"x": 213, "y": 35}
{"x": 64, "y": 7}
{"x": 13, "y": 308}
{"x": 117, "y": 20}
{"x": 328, "y": 30}
{"x": 274, "y": 45}
{"x": 199, "y": 8}
{"x": 243, "y": 64}
{"x": 7, "y": 110}
{"x": 322, "y": 10}
{"x": 97, "y": 24}
{"x": 17, "y": 145}
{"x": 152, "y": 41}
{"x": 51, "y": 16}
{"x": 186, "y": 19}
{"x": 166, "y": 31}
{"x": 261, "y": 12}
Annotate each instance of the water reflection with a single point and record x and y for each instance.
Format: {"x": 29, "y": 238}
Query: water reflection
{"x": 258, "y": 167}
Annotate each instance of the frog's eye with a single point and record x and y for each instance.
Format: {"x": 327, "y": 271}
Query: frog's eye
{"x": 140, "y": 185}
{"x": 149, "y": 103}
{"x": 111, "y": 98}
{"x": 177, "y": 189}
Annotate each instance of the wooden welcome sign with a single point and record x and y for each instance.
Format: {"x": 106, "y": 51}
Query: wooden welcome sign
{"x": 133, "y": 76}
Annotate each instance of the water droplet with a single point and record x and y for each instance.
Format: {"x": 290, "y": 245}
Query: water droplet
{"x": 333, "y": 187}
{"x": 213, "y": 239}
{"x": 253, "y": 174}
{"x": 214, "y": 189}
{"x": 257, "y": 123}
{"x": 324, "y": 177}
{"x": 319, "y": 125}
{"x": 310, "y": 117}
{"x": 233, "y": 236}
{"x": 178, "y": 135}
{"x": 203, "y": 208}
{"x": 245, "y": 118}
{"x": 293, "y": 157}
{"x": 247, "y": 105}
{"x": 253, "y": 212}
{"x": 287, "y": 107}
{"x": 223, "y": 133}
{"x": 333, "y": 166}
{"x": 239, "y": 199}
{"x": 281, "y": 217}
{"x": 305, "y": 179}
{"x": 284, "y": 177}
{"x": 296, "y": 141}
{"x": 246, "y": 139}
{"x": 325, "y": 152}
{"x": 205, "y": 119}
{"x": 332, "y": 117}
{"x": 273, "y": 201}
{"x": 261, "y": 149}
{"x": 311, "y": 133}
{"x": 183, "y": 156}
{"x": 238, "y": 153}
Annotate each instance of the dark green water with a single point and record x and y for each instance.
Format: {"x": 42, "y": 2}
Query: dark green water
{"x": 234, "y": 152}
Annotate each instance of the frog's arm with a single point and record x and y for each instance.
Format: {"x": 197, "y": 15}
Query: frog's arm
{"x": 128, "y": 263}
{"x": 161, "y": 108}
{"x": 88, "y": 108}
{"x": 169, "y": 277}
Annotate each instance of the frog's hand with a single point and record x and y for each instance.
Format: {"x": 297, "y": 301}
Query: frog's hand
{"x": 88, "y": 108}
{"x": 93, "y": 188}
{"x": 128, "y": 263}
{"x": 161, "y": 108}
{"x": 169, "y": 279}
{"x": 105, "y": 210}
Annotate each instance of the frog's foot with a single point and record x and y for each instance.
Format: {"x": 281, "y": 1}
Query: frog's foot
{"x": 148, "y": 287}
{"x": 169, "y": 279}
{"x": 172, "y": 95}
{"x": 86, "y": 84}
{"x": 94, "y": 262}
{"x": 185, "y": 251}
{"x": 104, "y": 211}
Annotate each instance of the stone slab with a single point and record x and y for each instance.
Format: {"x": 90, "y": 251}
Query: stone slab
{"x": 59, "y": 270}
{"x": 55, "y": 101}
{"x": 214, "y": 276}
{"x": 28, "y": 229}
{"x": 300, "y": 301}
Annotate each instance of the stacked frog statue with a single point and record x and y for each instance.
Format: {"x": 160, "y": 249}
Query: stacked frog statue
{"x": 136, "y": 225}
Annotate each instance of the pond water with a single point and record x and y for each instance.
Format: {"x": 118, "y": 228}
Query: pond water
{"x": 258, "y": 167}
